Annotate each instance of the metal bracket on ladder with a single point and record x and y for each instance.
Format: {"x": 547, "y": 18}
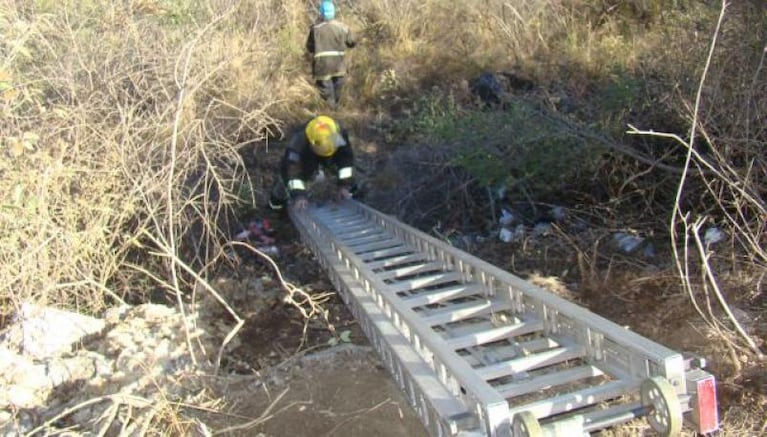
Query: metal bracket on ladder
{"x": 479, "y": 351}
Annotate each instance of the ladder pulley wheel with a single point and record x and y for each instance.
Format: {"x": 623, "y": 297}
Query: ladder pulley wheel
{"x": 665, "y": 411}
{"x": 526, "y": 425}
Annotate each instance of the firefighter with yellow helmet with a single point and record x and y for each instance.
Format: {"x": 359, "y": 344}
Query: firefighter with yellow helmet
{"x": 319, "y": 142}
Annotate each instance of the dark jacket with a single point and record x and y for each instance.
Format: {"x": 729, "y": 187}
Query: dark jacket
{"x": 327, "y": 43}
{"x": 300, "y": 163}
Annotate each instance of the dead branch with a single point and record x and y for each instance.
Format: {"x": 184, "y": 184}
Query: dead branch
{"x": 682, "y": 260}
{"x": 704, "y": 256}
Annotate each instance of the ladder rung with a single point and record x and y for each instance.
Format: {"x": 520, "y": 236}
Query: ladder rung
{"x": 534, "y": 346}
{"x": 436, "y": 296}
{"x": 357, "y": 239}
{"x": 454, "y": 313}
{"x": 386, "y": 253}
{"x": 530, "y": 362}
{"x": 370, "y": 247}
{"x": 351, "y": 231}
{"x": 347, "y": 220}
{"x": 347, "y": 230}
{"x": 397, "y": 260}
{"x": 410, "y": 270}
{"x": 575, "y": 400}
{"x": 339, "y": 215}
{"x": 426, "y": 281}
{"x": 491, "y": 335}
{"x": 548, "y": 380}
{"x": 513, "y": 350}
{"x": 361, "y": 231}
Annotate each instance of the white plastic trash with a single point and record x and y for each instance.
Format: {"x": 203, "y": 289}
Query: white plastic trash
{"x": 505, "y": 235}
{"x": 542, "y": 229}
{"x": 558, "y": 213}
{"x": 628, "y": 242}
{"x": 506, "y": 217}
{"x": 713, "y": 235}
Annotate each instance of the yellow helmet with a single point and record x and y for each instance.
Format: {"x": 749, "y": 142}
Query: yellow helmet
{"x": 324, "y": 136}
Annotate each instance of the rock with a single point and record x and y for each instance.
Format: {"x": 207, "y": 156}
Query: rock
{"x": 23, "y": 397}
{"x": 15, "y": 425}
{"x": 744, "y": 318}
{"x": 114, "y": 315}
{"x": 141, "y": 353}
{"x": 44, "y": 332}
{"x": 155, "y": 312}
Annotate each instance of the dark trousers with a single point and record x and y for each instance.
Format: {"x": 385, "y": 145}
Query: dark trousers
{"x": 331, "y": 90}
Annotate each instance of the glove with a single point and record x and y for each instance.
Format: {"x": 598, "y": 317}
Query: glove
{"x": 343, "y": 194}
{"x": 300, "y": 203}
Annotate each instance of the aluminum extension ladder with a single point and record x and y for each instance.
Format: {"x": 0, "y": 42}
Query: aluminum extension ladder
{"x": 481, "y": 352}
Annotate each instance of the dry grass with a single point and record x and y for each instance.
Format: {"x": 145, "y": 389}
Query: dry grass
{"x": 121, "y": 122}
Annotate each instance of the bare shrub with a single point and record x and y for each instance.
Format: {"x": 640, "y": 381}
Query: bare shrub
{"x": 121, "y": 135}
{"x": 723, "y": 184}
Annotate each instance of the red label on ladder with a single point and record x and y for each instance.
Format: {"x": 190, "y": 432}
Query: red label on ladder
{"x": 705, "y": 408}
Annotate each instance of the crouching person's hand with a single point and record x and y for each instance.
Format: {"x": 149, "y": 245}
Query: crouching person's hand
{"x": 300, "y": 203}
{"x": 343, "y": 194}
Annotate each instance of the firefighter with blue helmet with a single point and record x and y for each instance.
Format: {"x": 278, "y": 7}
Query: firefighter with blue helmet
{"x": 327, "y": 43}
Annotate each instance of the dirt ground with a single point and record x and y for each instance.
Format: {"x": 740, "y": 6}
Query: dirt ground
{"x": 341, "y": 391}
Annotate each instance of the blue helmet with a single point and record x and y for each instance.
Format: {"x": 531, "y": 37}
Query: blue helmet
{"x": 327, "y": 9}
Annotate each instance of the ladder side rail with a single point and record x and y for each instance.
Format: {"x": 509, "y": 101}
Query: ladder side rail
{"x": 454, "y": 373}
{"x": 644, "y": 357}
{"x": 440, "y": 412}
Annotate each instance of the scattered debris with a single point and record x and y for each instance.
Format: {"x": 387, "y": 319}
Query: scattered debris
{"x": 554, "y": 285}
{"x": 558, "y": 214}
{"x": 632, "y": 244}
{"x": 507, "y": 217}
{"x": 464, "y": 241}
{"x": 542, "y": 229}
{"x": 500, "y": 191}
{"x": 713, "y": 235}
{"x": 626, "y": 242}
{"x": 648, "y": 251}
{"x": 259, "y": 232}
{"x": 495, "y": 88}
{"x": 488, "y": 87}
{"x": 508, "y": 236}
